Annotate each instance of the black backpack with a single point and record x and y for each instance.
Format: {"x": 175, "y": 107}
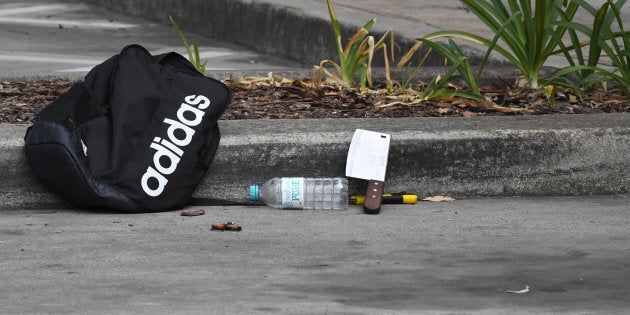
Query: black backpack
{"x": 137, "y": 135}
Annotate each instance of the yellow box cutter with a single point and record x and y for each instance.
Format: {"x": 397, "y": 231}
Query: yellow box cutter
{"x": 388, "y": 199}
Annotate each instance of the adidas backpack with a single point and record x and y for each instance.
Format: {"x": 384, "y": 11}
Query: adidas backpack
{"x": 137, "y": 135}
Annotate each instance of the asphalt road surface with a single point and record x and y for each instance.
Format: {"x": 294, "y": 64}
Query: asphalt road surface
{"x": 458, "y": 257}
{"x": 51, "y": 38}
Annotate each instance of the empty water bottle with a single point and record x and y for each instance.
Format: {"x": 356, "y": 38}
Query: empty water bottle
{"x": 302, "y": 193}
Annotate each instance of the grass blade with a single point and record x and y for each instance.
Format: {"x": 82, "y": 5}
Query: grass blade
{"x": 183, "y": 38}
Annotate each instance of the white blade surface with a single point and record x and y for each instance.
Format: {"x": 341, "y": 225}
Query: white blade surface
{"x": 367, "y": 156}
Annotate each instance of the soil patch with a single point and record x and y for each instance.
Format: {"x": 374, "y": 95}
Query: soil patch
{"x": 257, "y": 98}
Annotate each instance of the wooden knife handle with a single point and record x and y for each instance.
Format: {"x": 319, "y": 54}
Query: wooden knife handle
{"x": 373, "y": 197}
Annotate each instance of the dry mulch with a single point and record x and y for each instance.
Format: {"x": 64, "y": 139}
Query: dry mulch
{"x": 258, "y": 98}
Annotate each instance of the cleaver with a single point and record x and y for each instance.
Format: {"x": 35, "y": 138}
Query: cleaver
{"x": 367, "y": 159}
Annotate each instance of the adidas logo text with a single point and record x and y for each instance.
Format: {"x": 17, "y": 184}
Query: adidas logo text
{"x": 170, "y": 149}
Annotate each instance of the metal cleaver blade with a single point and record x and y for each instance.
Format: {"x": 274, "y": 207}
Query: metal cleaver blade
{"x": 367, "y": 159}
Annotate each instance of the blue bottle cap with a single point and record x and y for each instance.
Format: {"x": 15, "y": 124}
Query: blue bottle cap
{"x": 253, "y": 193}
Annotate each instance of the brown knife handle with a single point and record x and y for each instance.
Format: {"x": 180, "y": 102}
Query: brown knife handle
{"x": 373, "y": 197}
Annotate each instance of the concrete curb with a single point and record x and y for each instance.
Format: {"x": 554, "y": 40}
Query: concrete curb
{"x": 296, "y": 30}
{"x": 461, "y": 157}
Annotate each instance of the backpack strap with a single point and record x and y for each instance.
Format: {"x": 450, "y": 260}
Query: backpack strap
{"x": 177, "y": 60}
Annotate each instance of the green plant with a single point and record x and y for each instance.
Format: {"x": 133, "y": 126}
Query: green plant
{"x": 616, "y": 46}
{"x": 459, "y": 70}
{"x": 191, "y": 49}
{"x": 355, "y": 56}
{"x": 527, "y": 35}
{"x": 601, "y": 39}
{"x": 441, "y": 87}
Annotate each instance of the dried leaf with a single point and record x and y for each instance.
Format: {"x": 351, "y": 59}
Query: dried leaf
{"x": 521, "y": 82}
{"x": 301, "y": 83}
{"x": 414, "y": 103}
{"x": 615, "y": 101}
{"x": 438, "y": 198}
{"x": 463, "y": 102}
{"x": 490, "y": 105}
{"x": 517, "y": 292}
{"x": 192, "y": 213}
{"x": 467, "y": 113}
{"x": 254, "y": 80}
{"x": 539, "y": 102}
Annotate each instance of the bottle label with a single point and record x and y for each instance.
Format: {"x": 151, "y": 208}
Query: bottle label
{"x": 293, "y": 192}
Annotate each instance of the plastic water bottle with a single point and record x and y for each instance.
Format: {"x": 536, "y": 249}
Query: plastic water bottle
{"x": 302, "y": 193}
